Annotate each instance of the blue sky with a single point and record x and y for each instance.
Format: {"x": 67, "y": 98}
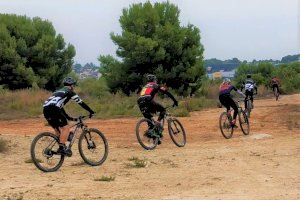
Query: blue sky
{"x": 256, "y": 29}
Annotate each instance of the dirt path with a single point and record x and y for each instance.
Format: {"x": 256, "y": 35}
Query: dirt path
{"x": 263, "y": 165}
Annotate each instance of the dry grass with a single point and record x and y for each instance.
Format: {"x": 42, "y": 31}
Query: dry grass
{"x": 105, "y": 178}
{"x": 137, "y": 162}
{"x": 3, "y": 146}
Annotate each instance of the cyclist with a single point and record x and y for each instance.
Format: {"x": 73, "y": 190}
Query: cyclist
{"x": 146, "y": 101}
{"x": 275, "y": 83}
{"x": 56, "y": 115}
{"x": 249, "y": 85}
{"x": 226, "y": 98}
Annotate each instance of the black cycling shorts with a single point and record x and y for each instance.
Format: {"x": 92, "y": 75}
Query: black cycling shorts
{"x": 55, "y": 117}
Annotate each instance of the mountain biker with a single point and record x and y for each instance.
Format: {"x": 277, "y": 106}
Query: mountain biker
{"x": 249, "y": 85}
{"x": 275, "y": 83}
{"x": 226, "y": 98}
{"x": 146, "y": 101}
{"x": 56, "y": 115}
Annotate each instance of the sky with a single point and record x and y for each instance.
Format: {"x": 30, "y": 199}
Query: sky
{"x": 245, "y": 29}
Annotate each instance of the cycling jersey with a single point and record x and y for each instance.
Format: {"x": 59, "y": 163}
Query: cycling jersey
{"x": 61, "y": 97}
{"x": 249, "y": 85}
{"x": 225, "y": 89}
{"x": 151, "y": 89}
{"x": 275, "y": 81}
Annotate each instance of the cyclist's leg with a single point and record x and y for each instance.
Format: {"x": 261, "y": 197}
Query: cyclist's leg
{"x": 247, "y": 94}
{"x": 145, "y": 108}
{"x": 224, "y": 102}
{"x": 234, "y": 106}
{"x": 157, "y": 107}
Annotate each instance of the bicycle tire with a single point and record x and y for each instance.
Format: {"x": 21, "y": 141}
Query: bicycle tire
{"x": 221, "y": 124}
{"x": 36, "y": 161}
{"x": 154, "y": 142}
{"x": 172, "y": 134}
{"x": 80, "y": 147}
{"x": 245, "y": 120}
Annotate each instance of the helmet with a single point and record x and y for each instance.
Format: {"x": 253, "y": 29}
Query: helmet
{"x": 248, "y": 75}
{"x": 69, "y": 81}
{"x": 151, "y": 78}
{"x": 227, "y": 80}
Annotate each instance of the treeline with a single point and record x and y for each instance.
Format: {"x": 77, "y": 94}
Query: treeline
{"x": 228, "y": 65}
{"x": 32, "y": 54}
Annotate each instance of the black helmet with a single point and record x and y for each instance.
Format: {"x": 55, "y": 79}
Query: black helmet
{"x": 151, "y": 78}
{"x": 69, "y": 81}
{"x": 248, "y": 75}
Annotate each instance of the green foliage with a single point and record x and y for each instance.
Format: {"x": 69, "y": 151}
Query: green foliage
{"x": 289, "y": 74}
{"x": 31, "y": 53}
{"x": 105, "y": 178}
{"x": 152, "y": 41}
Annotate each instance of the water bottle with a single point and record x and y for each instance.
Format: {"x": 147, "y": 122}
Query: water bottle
{"x": 71, "y": 135}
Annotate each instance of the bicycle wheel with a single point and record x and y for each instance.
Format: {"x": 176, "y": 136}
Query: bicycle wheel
{"x": 147, "y": 141}
{"x": 44, "y": 152}
{"x": 225, "y": 126}
{"x": 244, "y": 123}
{"x": 177, "y": 132}
{"x": 93, "y": 147}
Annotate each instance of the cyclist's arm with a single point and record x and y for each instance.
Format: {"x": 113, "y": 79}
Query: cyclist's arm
{"x": 164, "y": 91}
{"x": 239, "y": 91}
{"x": 77, "y": 99}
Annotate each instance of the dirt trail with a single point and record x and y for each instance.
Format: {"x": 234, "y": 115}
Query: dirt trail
{"x": 263, "y": 165}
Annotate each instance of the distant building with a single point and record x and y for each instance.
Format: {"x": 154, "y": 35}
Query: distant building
{"x": 221, "y": 74}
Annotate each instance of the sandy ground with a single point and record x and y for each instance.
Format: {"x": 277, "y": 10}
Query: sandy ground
{"x": 263, "y": 165}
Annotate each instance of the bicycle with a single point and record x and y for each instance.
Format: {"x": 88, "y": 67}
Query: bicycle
{"x": 249, "y": 106}
{"x": 149, "y": 132}
{"x": 92, "y": 146}
{"x": 225, "y": 122}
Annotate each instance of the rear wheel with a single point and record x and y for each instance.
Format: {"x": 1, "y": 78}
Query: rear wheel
{"x": 93, "y": 147}
{"x": 144, "y": 136}
{"x": 244, "y": 123}
{"x": 225, "y": 126}
{"x": 177, "y": 132}
{"x": 44, "y": 152}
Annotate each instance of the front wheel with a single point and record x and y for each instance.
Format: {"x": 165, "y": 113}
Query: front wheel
{"x": 225, "y": 126}
{"x": 177, "y": 132}
{"x": 93, "y": 147}
{"x": 244, "y": 123}
{"x": 44, "y": 152}
{"x": 145, "y": 135}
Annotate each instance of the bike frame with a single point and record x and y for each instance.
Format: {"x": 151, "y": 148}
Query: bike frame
{"x": 79, "y": 125}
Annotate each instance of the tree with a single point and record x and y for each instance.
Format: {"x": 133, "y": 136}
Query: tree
{"x": 152, "y": 41}
{"x": 31, "y": 53}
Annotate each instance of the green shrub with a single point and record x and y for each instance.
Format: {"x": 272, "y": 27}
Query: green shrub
{"x": 105, "y": 178}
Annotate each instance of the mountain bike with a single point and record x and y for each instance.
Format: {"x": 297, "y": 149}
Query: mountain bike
{"x": 92, "y": 146}
{"x": 249, "y": 106}
{"x": 225, "y": 122}
{"x": 149, "y": 132}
